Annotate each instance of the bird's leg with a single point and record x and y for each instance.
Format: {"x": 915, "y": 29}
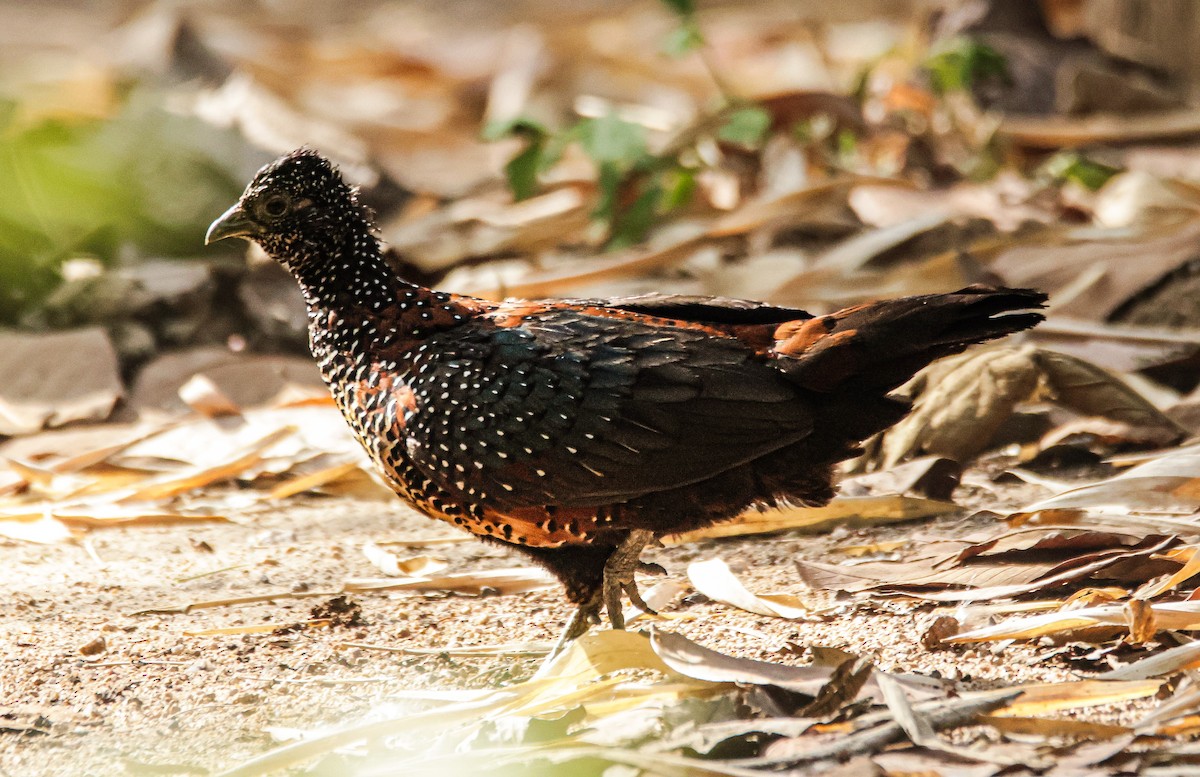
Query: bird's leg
{"x": 618, "y": 576}
{"x": 581, "y": 620}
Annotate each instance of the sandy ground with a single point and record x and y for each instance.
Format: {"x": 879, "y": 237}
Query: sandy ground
{"x": 155, "y": 700}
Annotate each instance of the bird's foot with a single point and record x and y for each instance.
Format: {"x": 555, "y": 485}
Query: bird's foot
{"x": 618, "y": 576}
{"x": 585, "y": 615}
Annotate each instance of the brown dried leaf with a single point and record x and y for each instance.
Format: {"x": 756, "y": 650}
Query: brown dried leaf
{"x": 1119, "y": 347}
{"x": 1159, "y": 487}
{"x": 307, "y": 482}
{"x": 1171, "y": 661}
{"x": 1091, "y": 279}
{"x": 1166, "y": 615}
{"x": 1091, "y": 391}
{"x": 194, "y": 478}
{"x": 1072, "y": 132}
{"x": 959, "y": 405}
{"x": 1044, "y": 698}
{"x": 56, "y": 378}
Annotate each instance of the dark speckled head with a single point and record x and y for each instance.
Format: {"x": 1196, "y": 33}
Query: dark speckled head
{"x": 296, "y": 205}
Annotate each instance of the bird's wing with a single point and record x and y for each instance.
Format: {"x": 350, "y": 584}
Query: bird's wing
{"x": 576, "y": 409}
{"x": 707, "y": 310}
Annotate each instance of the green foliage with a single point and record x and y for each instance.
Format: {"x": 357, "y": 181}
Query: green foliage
{"x": 612, "y": 140}
{"x": 687, "y": 37}
{"x": 1073, "y": 166}
{"x": 746, "y": 127}
{"x": 685, "y": 8}
{"x": 960, "y": 63}
{"x": 144, "y": 182}
{"x": 683, "y": 40}
{"x": 522, "y": 170}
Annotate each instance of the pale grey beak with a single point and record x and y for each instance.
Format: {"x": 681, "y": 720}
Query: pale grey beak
{"x": 232, "y": 223}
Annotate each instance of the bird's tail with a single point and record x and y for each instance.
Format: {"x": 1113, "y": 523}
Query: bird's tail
{"x": 878, "y": 346}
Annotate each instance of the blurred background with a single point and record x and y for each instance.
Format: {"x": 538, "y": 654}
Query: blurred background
{"x": 808, "y": 153}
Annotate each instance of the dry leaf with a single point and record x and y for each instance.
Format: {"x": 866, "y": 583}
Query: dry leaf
{"x": 959, "y": 404}
{"x": 1091, "y": 391}
{"x": 842, "y": 511}
{"x": 713, "y": 579}
{"x": 701, "y": 663}
{"x": 203, "y": 396}
{"x": 503, "y": 581}
{"x": 393, "y": 566}
{"x": 1166, "y": 615}
{"x": 1159, "y": 486}
{"x": 56, "y": 378}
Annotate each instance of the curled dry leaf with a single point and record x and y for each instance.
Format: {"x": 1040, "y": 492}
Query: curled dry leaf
{"x": 1164, "y": 615}
{"x": 1163, "y": 486}
{"x": 393, "y": 566}
{"x": 700, "y": 663}
{"x": 1091, "y": 391}
{"x": 960, "y": 403}
{"x": 714, "y": 579}
{"x": 1171, "y": 661}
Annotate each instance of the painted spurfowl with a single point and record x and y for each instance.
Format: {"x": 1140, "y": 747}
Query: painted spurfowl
{"x": 578, "y": 431}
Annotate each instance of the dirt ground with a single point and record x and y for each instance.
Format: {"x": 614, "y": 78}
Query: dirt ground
{"x": 152, "y": 699}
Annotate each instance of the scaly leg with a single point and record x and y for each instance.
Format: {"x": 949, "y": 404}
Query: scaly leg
{"x": 581, "y": 620}
{"x": 618, "y": 576}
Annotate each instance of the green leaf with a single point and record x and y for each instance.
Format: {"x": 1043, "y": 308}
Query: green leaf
{"x": 960, "y": 63}
{"x": 522, "y": 171}
{"x": 684, "y": 8}
{"x": 1072, "y": 166}
{"x": 519, "y": 126}
{"x": 746, "y": 127}
{"x": 678, "y": 185}
{"x": 609, "y": 183}
{"x": 683, "y": 40}
{"x": 632, "y": 224}
{"x": 612, "y": 139}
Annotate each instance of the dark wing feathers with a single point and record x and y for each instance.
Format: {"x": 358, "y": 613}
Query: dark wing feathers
{"x": 579, "y": 407}
{"x": 582, "y": 410}
{"x": 708, "y": 310}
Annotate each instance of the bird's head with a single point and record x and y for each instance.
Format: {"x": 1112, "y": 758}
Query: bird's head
{"x": 294, "y": 206}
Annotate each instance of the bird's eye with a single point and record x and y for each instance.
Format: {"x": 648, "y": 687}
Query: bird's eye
{"x": 275, "y": 206}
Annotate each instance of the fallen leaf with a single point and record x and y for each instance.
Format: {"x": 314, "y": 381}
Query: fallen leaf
{"x": 393, "y": 566}
{"x": 714, "y": 579}
{"x": 700, "y": 663}
{"x": 56, "y": 378}
{"x": 959, "y": 404}
{"x": 1157, "y": 486}
{"x": 842, "y": 511}
{"x": 503, "y": 581}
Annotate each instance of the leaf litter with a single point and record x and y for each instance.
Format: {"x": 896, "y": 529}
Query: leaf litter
{"x": 1094, "y": 570}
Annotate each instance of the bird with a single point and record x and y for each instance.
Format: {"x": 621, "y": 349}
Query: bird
{"x": 579, "y": 431}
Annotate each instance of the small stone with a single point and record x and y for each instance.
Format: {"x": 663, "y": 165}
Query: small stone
{"x": 94, "y": 648}
{"x": 940, "y": 630}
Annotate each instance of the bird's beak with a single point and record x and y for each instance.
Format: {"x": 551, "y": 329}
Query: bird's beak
{"x": 232, "y": 223}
